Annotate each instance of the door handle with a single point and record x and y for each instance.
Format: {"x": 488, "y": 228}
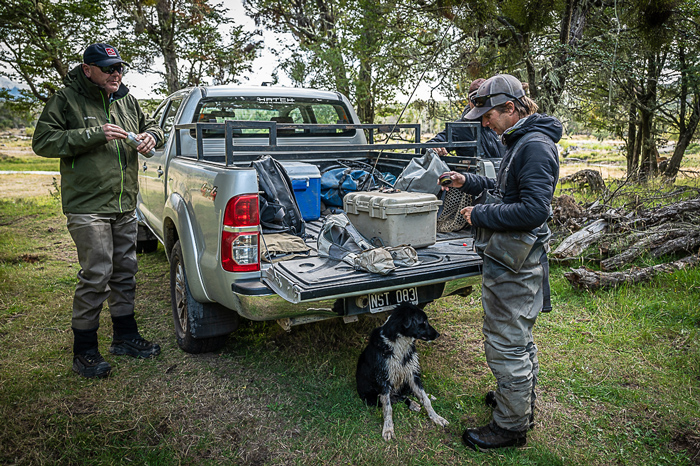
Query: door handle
{"x": 160, "y": 172}
{"x": 145, "y": 167}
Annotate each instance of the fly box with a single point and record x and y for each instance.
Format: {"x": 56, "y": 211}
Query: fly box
{"x": 395, "y": 218}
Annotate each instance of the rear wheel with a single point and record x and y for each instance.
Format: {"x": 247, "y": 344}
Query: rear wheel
{"x": 185, "y": 307}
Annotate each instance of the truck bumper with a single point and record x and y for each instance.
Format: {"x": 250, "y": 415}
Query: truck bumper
{"x": 256, "y": 302}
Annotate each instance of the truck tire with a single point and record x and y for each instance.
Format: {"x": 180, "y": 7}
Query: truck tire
{"x": 185, "y": 307}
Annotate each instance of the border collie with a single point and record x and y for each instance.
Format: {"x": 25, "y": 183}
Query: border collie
{"x": 388, "y": 369}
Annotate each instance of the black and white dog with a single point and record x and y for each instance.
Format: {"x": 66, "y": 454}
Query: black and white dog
{"x": 388, "y": 369}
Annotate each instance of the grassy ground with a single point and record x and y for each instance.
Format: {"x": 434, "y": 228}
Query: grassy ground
{"x": 619, "y": 380}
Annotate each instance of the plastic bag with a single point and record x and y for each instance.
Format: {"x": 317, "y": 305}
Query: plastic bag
{"x": 422, "y": 173}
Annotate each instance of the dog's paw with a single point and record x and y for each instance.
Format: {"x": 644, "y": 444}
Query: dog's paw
{"x": 413, "y": 406}
{"x": 439, "y": 420}
{"x": 388, "y": 434}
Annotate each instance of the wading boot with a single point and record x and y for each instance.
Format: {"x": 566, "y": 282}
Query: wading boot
{"x": 135, "y": 347}
{"x": 127, "y": 340}
{"x": 91, "y": 364}
{"x": 491, "y": 436}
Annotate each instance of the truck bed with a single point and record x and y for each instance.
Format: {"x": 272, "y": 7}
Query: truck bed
{"x": 315, "y": 278}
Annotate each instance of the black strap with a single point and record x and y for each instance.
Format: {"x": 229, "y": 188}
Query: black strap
{"x": 546, "y": 290}
{"x": 504, "y": 178}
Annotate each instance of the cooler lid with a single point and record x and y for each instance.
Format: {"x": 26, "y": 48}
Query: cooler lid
{"x": 380, "y": 205}
{"x": 301, "y": 170}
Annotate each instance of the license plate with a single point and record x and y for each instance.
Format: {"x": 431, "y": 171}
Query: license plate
{"x": 380, "y": 302}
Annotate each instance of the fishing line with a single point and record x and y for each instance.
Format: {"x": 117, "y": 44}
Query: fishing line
{"x": 425, "y": 70}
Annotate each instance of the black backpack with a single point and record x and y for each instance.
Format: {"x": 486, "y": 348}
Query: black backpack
{"x": 279, "y": 211}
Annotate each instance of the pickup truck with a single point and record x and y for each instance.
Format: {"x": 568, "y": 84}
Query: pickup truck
{"x": 199, "y": 197}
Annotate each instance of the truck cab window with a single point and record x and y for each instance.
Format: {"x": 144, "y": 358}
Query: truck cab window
{"x": 278, "y": 109}
{"x": 169, "y": 119}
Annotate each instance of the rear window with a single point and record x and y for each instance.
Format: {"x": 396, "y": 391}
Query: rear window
{"x": 278, "y": 109}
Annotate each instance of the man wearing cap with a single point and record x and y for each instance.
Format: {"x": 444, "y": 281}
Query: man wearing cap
{"x": 86, "y": 124}
{"x": 491, "y": 146}
{"x": 512, "y": 237}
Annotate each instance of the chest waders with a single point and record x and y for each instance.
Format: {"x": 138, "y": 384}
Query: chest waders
{"x": 512, "y": 300}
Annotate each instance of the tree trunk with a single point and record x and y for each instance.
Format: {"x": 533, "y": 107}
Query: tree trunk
{"x": 684, "y": 139}
{"x": 685, "y": 130}
{"x": 647, "y": 162}
{"x": 632, "y": 158}
{"x": 363, "y": 94}
{"x": 571, "y": 26}
{"x": 166, "y": 40}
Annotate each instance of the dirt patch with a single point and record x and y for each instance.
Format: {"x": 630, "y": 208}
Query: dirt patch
{"x": 20, "y": 185}
{"x": 26, "y": 258}
{"x": 688, "y": 441}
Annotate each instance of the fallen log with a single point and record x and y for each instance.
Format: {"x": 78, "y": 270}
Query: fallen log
{"x": 585, "y": 278}
{"x": 680, "y": 211}
{"x": 650, "y": 241}
{"x": 574, "y": 245}
{"x": 689, "y": 242}
{"x": 592, "y": 178}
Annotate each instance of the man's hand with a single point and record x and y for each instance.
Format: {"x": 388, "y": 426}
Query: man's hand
{"x": 148, "y": 142}
{"x": 458, "y": 180}
{"x": 113, "y": 132}
{"x": 441, "y": 151}
{"x": 467, "y": 214}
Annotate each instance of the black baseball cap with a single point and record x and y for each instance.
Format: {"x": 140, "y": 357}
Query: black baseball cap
{"x": 495, "y": 91}
{"x": 102, "y": 55}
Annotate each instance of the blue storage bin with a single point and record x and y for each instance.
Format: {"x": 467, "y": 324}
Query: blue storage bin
{"x": 306, "y": 182}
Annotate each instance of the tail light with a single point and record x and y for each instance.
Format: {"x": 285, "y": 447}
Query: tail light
{"x": 240, "y": 237}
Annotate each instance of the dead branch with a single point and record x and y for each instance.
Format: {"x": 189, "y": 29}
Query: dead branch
{"x": 677, "y": 212}
{"x": 648, "y": 242}
{"x": 585, "y": 278}
{"x": 688, "y": 243}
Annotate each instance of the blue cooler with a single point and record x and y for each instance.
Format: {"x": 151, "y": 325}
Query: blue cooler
{"x": 306, "y": 182}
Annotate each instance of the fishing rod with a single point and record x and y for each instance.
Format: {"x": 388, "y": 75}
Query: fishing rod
{"x": 420, "y": 79}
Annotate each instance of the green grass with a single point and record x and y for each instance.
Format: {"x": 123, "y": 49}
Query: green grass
{"x": 36, "y": 164}
{"x": 620, "y": 373}
{"x": 16, "y": 155}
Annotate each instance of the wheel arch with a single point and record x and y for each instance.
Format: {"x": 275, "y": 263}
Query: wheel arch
{"x": 177, "y": 225}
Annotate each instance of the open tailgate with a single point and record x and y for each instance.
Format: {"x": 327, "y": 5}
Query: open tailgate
{"x": 315, "y": 278}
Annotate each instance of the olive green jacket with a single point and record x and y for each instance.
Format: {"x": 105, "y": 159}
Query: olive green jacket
{"x": 97, "y": 176}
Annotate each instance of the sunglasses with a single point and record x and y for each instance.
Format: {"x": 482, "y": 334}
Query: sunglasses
{"x": 119, "y": 68}
{"x": 480, "y": 100}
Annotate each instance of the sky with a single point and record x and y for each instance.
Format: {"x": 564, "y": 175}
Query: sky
{"x": 142, "y": 85}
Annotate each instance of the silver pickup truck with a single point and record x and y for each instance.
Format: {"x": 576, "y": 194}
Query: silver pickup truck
{"x": 198, "y": 191}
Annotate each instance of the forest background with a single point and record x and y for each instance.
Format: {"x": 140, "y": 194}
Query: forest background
{"x": 621, "y": 68}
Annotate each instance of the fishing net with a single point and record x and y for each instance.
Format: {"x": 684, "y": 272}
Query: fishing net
{"x": 452, "y": 203}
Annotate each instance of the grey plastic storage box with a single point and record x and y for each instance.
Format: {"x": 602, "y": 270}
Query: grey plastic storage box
{"x": 395, "y": 218}
{"x": 306, "y": 182}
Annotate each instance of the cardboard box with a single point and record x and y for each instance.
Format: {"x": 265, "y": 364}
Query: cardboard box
{"x": 394, "y": 218}
{"x": 306, "y": 182}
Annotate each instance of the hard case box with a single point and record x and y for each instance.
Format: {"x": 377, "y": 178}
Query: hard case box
{"x": 306, "y": 182}
{"x": 395, "y": 218}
